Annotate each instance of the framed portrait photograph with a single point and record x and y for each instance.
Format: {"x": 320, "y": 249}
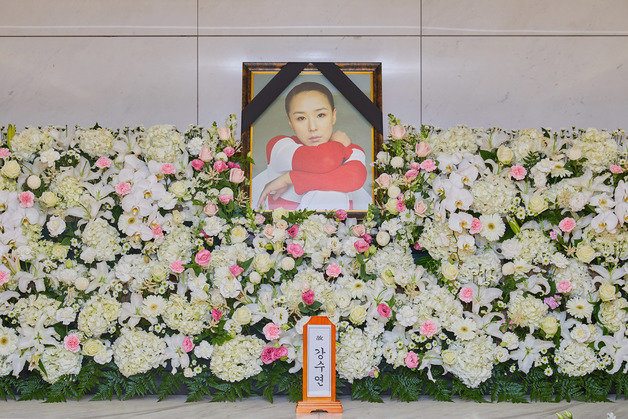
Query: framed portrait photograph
{"x": 312, "y": 149}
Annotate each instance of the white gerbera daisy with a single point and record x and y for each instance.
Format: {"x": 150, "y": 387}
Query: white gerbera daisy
{"x": 492, "y": 227}
{"x": 579, "y": 308}
{"x": 464, "y": 329}
{"x": 8, "y": 341}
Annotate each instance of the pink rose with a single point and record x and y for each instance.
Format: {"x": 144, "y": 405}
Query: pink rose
{"x": 27, "y": 199}
{"x": 358, "y": 230}
{"x": 367, "y": 238}
{"x": 216, "y": 314}
{"x": 268, "y": 355}
{"x": 567, "y": 224}
{"x": 397, "y": 132}
{"x": 203, "y": 257}
{"x": 197, "y": 164}
{"x": 235, "y": 270}
{"x": 333, "y": 270}
{"x": 466, "y": 294}
{"x": 187, "y": 344}
{"x": 280, "y": 352}
{"x": 329, "y": 229}
{"x": 308, "y": 297}
{"x": 259, "y": 219}
{"x": 232, "y": 164}
{"x": 177, "y": 266}
{"x": 269, "y": 231}
{"x": 225, "y": 198}
{"x": 551, "y": 302}
{"x": 103, "y": 162}
{"x": 564, "y": 286}
{"x": 236, "y": 175}
{"x": 412, "y": 360}
{"x": 123, "y": 188}
{"x": 401, "y": 205}
{"x": 167, "y": 169}
{"x": 157, "y": 231}
{"x": 420, "y": 208}
{"x": 271, "y": 331}
{"x": 341, "y": 215}
{"x": 428, "y": 165}
{"x": 383, "y": 310}
{"x": 428, "y": 328}
{"x": 4, "y": 277}
{"x": 72, "y": 343}
{"x": 423, "y": 149}
{"x": 293, "y": 231}
{"x": 4, "y": 153}
{"x": 616, "y": 169}
{"x": 384, "y": 180}
{"x": 220, "y": 166}
{"x": 206, "y": 154}
{"x": 518, "y": 172}
{"x": 229, "y": 151}
{"x": 361, "y": 245}
{"x": 210, "y": 209}
{"x": 411, "y": 174}
{"x": 295, "y": 250}
{"x": 224, "y": 133}
{"x": 476, "y": 226}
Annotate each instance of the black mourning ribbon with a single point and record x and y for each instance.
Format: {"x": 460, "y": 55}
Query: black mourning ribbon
{"x": 332, "y": 72}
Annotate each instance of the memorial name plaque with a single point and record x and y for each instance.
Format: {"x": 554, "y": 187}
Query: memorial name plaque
{"x": 319, "y": 367}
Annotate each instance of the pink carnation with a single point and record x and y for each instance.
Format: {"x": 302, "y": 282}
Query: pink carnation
{"x": 551, "y": 302}
{"x": 428, "y": 328}
{"x": 177, "y": 266}
{"x": 567, "y": 224}
{"x": 308, "y": 297}
{"x": 466, "y": 294}
{"x": 361, "y": 245}
{"x": 123, "y": 188}
{"x": 476, "y": 226}
{"x": 383, "y": 310}
{"x": 167, "y": 169}
{"x": 197, "y": 164}
{"x": 412, "y": 360}
{"x": 72, "y": 343}
{"x": 4, "y": 153}
{"x": 293, "y": 231}
{"x": 564, "y": 286}
{"x": 229, "y": 151}
{"x": 553, "y": 234}
{"x": 203, "y": 257}
{"x": 333, "y": 270}
{"x": 341, "y": 215}
{"x": 411, "y": 174}
{"x": 187, "y": 344}
{"x": 157, "y": 231}
{"x": 225, "y": 198}
{"x": 216, "y": 314}
{"x": 428, "y": 165}
{"x": 518, "y": 172}
{"x": 103, "y": 162}
{"x": 417, "y": 246}
{"x": 268, "y": 355}
{"x": 295, "y": 250}
{"x": 616, "y": 169}
{"x": 4, "y": 277}
{"x": 220, "y": 166}
{"x": 271, "y": 331}
{"x": 27, "y": 199}
{"x": 235, "y": 270}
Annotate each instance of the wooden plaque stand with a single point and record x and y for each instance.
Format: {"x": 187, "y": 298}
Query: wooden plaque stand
{"x": 327, "y": 404}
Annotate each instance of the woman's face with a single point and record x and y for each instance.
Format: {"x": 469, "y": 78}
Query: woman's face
{"x": 311, "y": 117}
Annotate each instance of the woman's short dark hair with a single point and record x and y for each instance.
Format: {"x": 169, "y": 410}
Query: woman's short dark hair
{"x": 308, "y": 86}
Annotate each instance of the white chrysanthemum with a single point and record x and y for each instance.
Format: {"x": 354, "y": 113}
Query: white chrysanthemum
{"x": 188, "y": 318}
{"x": 204, "y": 350}
{"x": 493, "y": 194}
{"x": 474, "y": 360}
{"x": 8, "y": 341}
{"x": 101, "y": 240}
{"x": 58, "y": 361}
{"x": 579, "y": 308}
{"x": 598, "y": 148}
{"x": 98, "y": 315}
{"x": 153, "y": 306}
{"x": 458, "y": 139}
{"x": 576, "y": 359}
{"x": 136, "y": 351}
{"x": 37, "y": 308}
{"x": 526, "y": 311}
{"x": 238, "y": 358}
{"x": 613, "y": 314}
{"x": 493, "y": 227}
{"x": 407, "y": 316}
{"x": 356, "y": 354}
{"x": 162, "y": 143}
{"x": 96, "y": 142}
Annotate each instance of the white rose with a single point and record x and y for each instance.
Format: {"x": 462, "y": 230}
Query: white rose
{"x": 50, "y": 199}
{"x": 238, "y": 234}
{"x": 287, "y": 263}
{"x": 81, "y": 283}
{"x": 358, "y": 314}
{"x": 394, "y": 191}
{"x": 221, "y": 156}
{"x": 178, "y": 189}
{"x": 549, "y": 325}
{"x": 450, "y": 272}
{"x": 508, "y": 268}
{"x": 226, "y": 191}
{"x": 11, "y": 169}
{"x": 537, "y": 204}
{"x": 396, "y": 162}
{"x": 504, "y": 154}
{"x": 33, "y": 182}
{"x": 449, "y": 356}
{"x": 585, "y": 253}
{"x": 607, "y": 292}
{"x": 56, "y": 226}
{"x": 574, "y": 153}
{"x": 383, "y": 157}
{"x": 242, "y": 315}
{"x": 262, "y": 263}
{"x": 255, "y": 278}
{"x": 391, "y": 206}
{"x": 383, "y": 238}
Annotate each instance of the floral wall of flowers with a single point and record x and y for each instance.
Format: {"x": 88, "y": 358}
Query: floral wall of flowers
{"x": 491, "y": 265}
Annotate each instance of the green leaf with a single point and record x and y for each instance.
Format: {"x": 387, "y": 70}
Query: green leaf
{"x": 32, "y": 387}
{"x": 366, "y": 390}
{"x": 170, "y": 384}
{"x": 62, "y": 389}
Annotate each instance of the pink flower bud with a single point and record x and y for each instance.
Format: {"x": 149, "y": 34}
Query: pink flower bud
{"x": 187, "y": 344}
{"x": 206, "y": 154}
{"x": 397, "y": 132}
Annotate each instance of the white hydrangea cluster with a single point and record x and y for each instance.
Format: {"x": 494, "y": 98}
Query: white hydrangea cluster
{"x": 101, "y": 241}
{"x": 31, "y": 140}
{"x": 98, "y": 315}
{"x": 528, "y": 141}
{"x": 37, "y": 309}
{"x": 357, "y": 353}
{"x": 137, "y": 351}
{"x": 457, "y": 139}
{"x": 471, "y": 361}
{"x": 186, "y": 317}
{"x": 483, "y": 268}
{"x": 598, "y": 148}
{"x": 96, "y": 142}
{"x": 162, "y": 143}
{"x": 526, "y": 311}
{"x": 58, "y": 361}
{"x": 576, "y": 359}
{"x": 493, "y": 194}
{"x": 238, "y": 358}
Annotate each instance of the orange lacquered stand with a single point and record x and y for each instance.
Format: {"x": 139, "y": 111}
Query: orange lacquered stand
{"x": 327, "y": 404}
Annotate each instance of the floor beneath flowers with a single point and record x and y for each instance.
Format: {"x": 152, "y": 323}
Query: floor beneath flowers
{"x": 258, "y": 408}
